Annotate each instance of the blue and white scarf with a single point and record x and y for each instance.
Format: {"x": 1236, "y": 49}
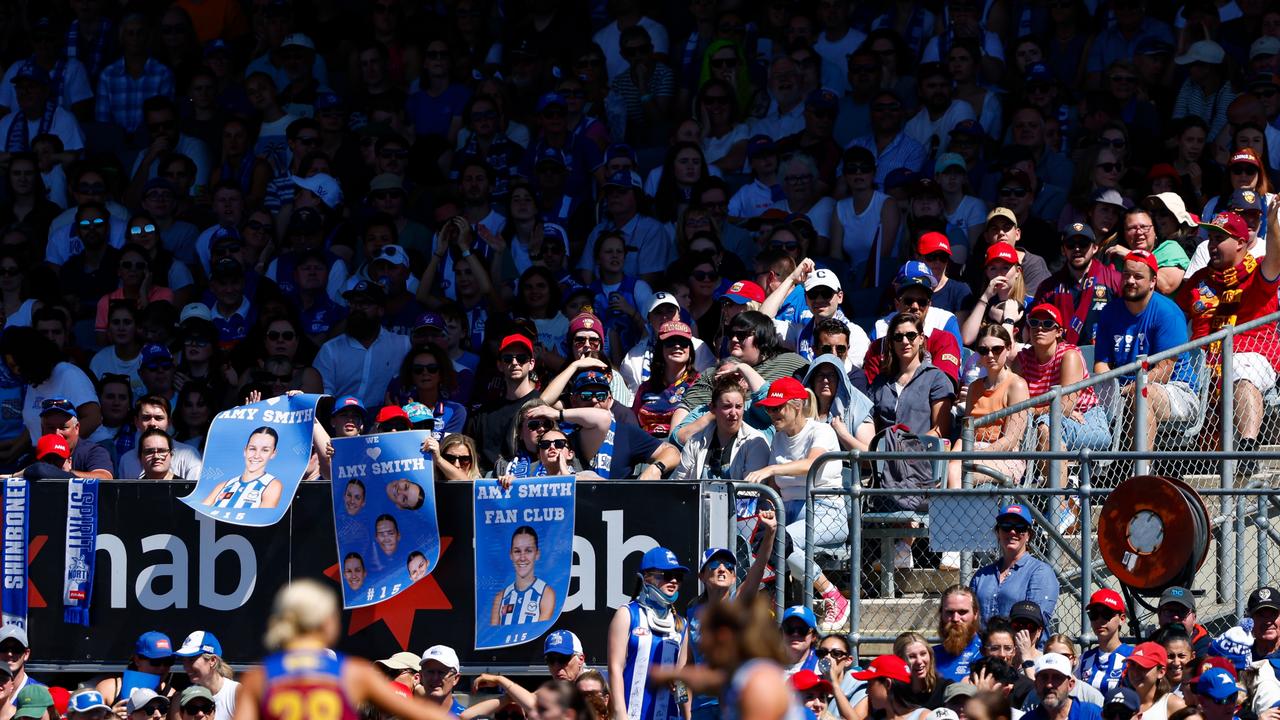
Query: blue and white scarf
{"x": 19, "y": 136}
{"x": 82, "y": 541}
{"x": 603, "y": 460}
{"x": 13, "y": 595}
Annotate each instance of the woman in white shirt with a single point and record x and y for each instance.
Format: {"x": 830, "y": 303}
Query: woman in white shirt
{"x": 864, "y": 217}
{"x": 798, "y": 440}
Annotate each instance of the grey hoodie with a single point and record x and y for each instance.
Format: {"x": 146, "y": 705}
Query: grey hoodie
{"x": 849, "y": 404}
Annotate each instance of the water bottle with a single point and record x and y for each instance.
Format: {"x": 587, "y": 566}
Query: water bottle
{"x": 681, "y": 691}
{"x": 824, "y": 667}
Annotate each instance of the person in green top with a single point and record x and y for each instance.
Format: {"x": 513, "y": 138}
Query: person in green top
{"x": 1139, "y": 232}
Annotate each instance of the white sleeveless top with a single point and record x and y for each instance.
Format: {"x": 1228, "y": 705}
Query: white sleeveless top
{"x": 860, "y": 228}
{"x": 1159, "y": 710}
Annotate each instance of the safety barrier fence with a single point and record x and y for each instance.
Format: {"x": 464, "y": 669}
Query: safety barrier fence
{"x": 892, "y": 591}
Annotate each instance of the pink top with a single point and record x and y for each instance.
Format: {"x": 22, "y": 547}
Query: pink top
{"x": 1042, "y": 377}
{"x": 154, "y": 295}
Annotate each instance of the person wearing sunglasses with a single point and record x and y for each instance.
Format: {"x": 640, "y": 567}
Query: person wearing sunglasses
{"x": 498, "y": 423}
{"x": 1217, "y": 693}
{"x": 672, "y": 372}
{"x": 1102, "y": 666}
{"x": 426, "y": 374}
{"x": 823, "y": 295}
{"x": 147, "y": 704}
{"x": 647, "y": 633}
{"x": 1017, "y": 575}
{"x": 152, "y": 654}
{"x": 909, "y": 389}
{"x": 866, "y": 218}
{"x": 913, "y": 287}
{"x": 519, "y": 454}
{"x": 997, "y": 387}
{"x": 137, "y": 285}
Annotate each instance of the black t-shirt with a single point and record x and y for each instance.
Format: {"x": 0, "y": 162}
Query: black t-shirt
{"x": 490, "y": 427}
{"x": 932, "y": 699}
{"x": 90, "y": 456}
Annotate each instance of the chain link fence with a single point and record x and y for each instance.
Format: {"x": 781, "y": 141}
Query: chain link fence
{"x": 1169, "y": 414}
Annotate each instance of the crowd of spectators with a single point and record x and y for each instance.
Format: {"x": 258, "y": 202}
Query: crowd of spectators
{"x": 691, "y": 240}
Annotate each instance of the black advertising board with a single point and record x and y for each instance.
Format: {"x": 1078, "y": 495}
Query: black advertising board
{"x": 160, "y": 567}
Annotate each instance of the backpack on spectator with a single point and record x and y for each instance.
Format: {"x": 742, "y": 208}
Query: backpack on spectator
{"x": 905, "y": 475}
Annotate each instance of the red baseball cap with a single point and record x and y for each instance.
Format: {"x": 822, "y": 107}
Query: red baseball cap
{"x": 1149, "y": 655}
{"x": 809, "y": 680}
{"x": 890, "y": 667}
{"x": 1245, "y": 156}
{"x": 1107, "y": 598}
{"x": 1144, "y": 257}
{"x": 744, "y": 291}
{"x": 1163, "y": 170}
{"x": 52, "y": 444}
{"x": 932, "y": 242}
{"x": 1229, "y": 223}
{"x": 517, "y": 339}
{"x": 675, "y": 328}
{"x": 1217, "y": 661}
{"x": 1003, "y": 251}
{"x": 1048, "y": 310}
{"x": 391, "y": 412}
{"x": 782, "y": 390}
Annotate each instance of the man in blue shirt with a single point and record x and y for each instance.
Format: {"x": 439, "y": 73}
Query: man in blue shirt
{"x": 1144, "y": 322}
{"x": 1053, "y": 686}
{"x": 958, "y": 627}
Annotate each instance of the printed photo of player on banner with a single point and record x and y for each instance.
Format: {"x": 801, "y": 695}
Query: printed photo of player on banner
{"x": 254, "y": 458}
{"x": 524, "y": 553}
{"x": 384, "y": 512}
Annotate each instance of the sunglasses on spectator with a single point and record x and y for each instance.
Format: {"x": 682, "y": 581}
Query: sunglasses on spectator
{"x": 985, "y": 350}
{"x": 832, "y": 349}
{"x": 909, "y": 336}
{"x": 584, "y": 340}
{"x": 159, "y": 705}
{"x": 539, "y": 424}
{"x": 720, "y": 562}
{"x": 859, "y": 168}
{"x": 516, "y": 358}
{"x": 1242, "y": 169}
{"x": 1013, "y": 527}
{"x": 1110, "y": 166}
{"x": 593, "y": 395}
{"x": 558, "y": 443}
{"x": 11, "y": 271}
{"x": 278, "y": 335}
{"x": 1017, "y": 192}
{"x": 459, "y": 460}
{"x": 787, "y": 245}
{"x": 1100, "y": 614}
{"x": 432, "y": 368}
{"x": 795, "y": 629}
{"x": 91, "y": 188}
{"x": 833, "y": 652}
{"x": 194, "y": 707}
{"x": 666, "y": 575}
{"x": 704, "y": 275}
{"x": 1117, "y": 143}
{"x": 1041, "y": 324}
{"x": 140, "y": 229}
{"x": 95, "y": 222}
{"x": 132, "y": 265}
{"x": 676, "y": 344}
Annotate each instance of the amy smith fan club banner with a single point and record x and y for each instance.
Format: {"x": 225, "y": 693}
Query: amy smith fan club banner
{"x": 254, "y": 458}
{"x": 384, "y": 510}
{"x": 524, "y": 554}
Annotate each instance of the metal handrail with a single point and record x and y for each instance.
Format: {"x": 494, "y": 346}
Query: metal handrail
{"x": 779, "y": 538}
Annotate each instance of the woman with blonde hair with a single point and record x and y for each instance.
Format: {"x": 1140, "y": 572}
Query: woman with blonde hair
{"x": 303, "y": 677}
{"x": 454, "y": 457}
{"x": 926, "y": 685}
{"x": 798, "y": 440}
{"x": 201, "y": 656}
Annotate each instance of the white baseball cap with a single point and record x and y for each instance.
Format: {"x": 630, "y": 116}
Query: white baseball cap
{"x": 1053, "y": 661}
{"x": 198, "y": 311}
{"x": 444, "y": 655}
{"x": 297, "y": 40}
{"x": 660, "y": 299}
{"x": 822, "y": 278}
{"x": 139, "y": 698}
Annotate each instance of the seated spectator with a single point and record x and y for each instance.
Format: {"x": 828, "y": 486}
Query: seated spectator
{"x": 950, "y": 294}
{"x": 160, "y": 118}
{"x": 673, "y": 372}
{"x": 1145, "y": 672}
{"x": 1002, "y": 227}
{"x": 122, "y": 356}
{"x": 1054, "y": 683}
{"x": 823, "y": 295}
{"x": 1103, "y": 666}
{"x": 155, "y": 448}
{"x": 889, "y": 689}
{"x": 424, "y": 375}
{"x": 494, "y": 424}
{"x": 1177, "y": 607}
{"x": 1248, "y": 205}
{"x": 927, "y": 687}
{"x": 138, "y": 286}
{"x": 1142, "y": 322}
{"x": 535, "y": 417}
{"x": 1082, "y": 288}
{"x": 910, "y": 390}
{"x": 151, "y": 412}
{"x": 996, "y": 389}
{"x": 800, "y": 637}
{"x": 1139, "y": 234}
{"x": 1004, "y": 297}
{"x": 729, "y": 447}
{"x": 59, "y": 417}
{"x": 913, "y": 293}
{"x": 455, "y": 457}
{"x": 37, "y": 112}
{"x": 1235, "y": 288}
{"x": 342, "y": 361}
{"x": 1047, "y": 362}
{"x": 840, "y": 405}
{"x": 764, "y": 189}
{"x": 636, "y": 366}
{"x": 958, "y": 623}
{"x": 125, "y": 84}
{"x": 1173, "y": 223}
{"x": 1177, "y": 646}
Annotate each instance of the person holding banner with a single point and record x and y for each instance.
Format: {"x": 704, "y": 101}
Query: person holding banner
{"x": 303, "y": 678}
{"x": 534, "y": 419}
{"x": 647, "y": 634}
{"x": 255, "y": 487}
{"x": 527, "y": 598}
{"x": 454, "y": 457}
{"x": 347, "y": 418}
{"x": 151, "y": 667}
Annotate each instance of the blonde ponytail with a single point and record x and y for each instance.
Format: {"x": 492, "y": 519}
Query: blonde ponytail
{"x": 301, "y": 607}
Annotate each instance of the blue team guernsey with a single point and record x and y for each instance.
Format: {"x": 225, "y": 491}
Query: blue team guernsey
{"x": 956, "y": 667}
{"x": 1104, "y": 670}
{"x": 648, "y": 647}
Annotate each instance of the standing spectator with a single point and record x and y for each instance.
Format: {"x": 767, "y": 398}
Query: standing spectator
{"x": 363, "y": 360}
{"x": 646, "y": 634}
{"x": 127, "y": 83}
{"x": 1017, "y": 576}
{"x": 1102, "y": 666}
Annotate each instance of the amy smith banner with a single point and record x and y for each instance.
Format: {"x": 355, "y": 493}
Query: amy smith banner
{"x": 254, "y": 458}
{"x": 384, "y": 510}
{"x": 524, "y": 554}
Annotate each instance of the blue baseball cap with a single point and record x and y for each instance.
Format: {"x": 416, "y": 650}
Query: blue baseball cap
{"x": 590, "y": 378}
{"x": 716, "y": 552}
{"x": 57, "y": 404}
{"x": 431, "y": 319}
{"x": 900, "y": 177}
{"x": 1245, "y": 200}
{"x": 551, "y": 155}
{"x": 822, "y": 99}
{"x": 1217, "y": 684}
{"x": 618, "y": 150}
{"x": 970, "y": 128}
{"x": 552, "y": 98}
{"x": 82, "y": 701}
{"x": 661, "y": 558}
{"x": 1039, "y": 73}
{"x": 154, "y": 354}
{"x": 626, "y": 179}
{"x": 200, "y": 642}
{"x": 1014, "y": 512}
{"x": 348, "y": 402}
{"x": 31, "y": 71}
{"x": 555, "y": 230}
{"x": 801, "y": 613}
{"x": 327, "y": 101}
{"x": 760, "y": 145}
{"x": 1152, "y": 45}
{"x": 914, "y": 273}
{"x": 154, "y": 645}
{"x": 562, "y": 642}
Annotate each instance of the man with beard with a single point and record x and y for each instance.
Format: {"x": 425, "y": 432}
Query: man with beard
{"x": 1054, "y": 683}
{"x": 364, "y": 359}
{"x": 1144, "y": 322}
{"x": 1082, "y": 288}
{"x": 939, "y": 111}
{"x": 958, "y": 627}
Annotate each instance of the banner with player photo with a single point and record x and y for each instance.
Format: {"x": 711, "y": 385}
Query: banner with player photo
{"x": 254, "y": 458}
{"x": 384, "y": 513}
{"x": 524, "y": 555}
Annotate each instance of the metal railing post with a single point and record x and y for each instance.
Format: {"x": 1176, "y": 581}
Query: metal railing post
{"x": 1086, "y": 546}
{"x": 1226, "y": 569}
{"x": 855, "y": 553}
{"x": 1055, "y": 468}
{"x": 966, "y": 482}
{"x": 806, "y": 591}
{"x": 1262, "y": 519}
{"x": 1140, "y": 411}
